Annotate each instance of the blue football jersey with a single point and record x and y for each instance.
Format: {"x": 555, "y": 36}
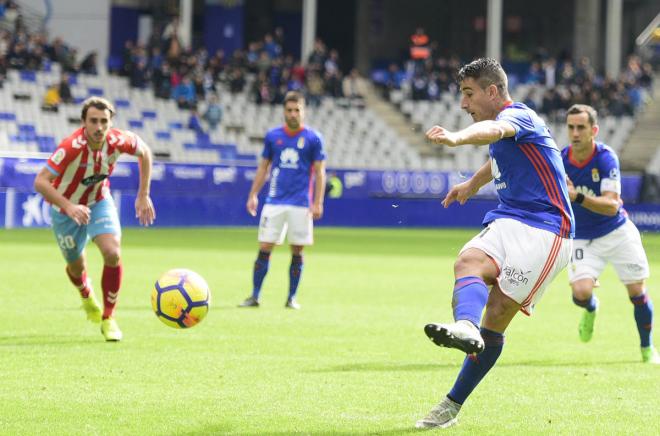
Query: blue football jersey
{"x": 292, "y": 155}
{"x": 529, "y": 175}
{"x": 600, "y": 172}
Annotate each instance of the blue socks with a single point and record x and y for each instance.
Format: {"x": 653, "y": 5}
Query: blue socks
{"x": 295, "y": 271}
{"x": 476, "y": 366}
{"x": 469, "y": 300}
{"x": 643, "y": 317}
{"x": 259, "y": 272}
{"x": 590, "y": 305}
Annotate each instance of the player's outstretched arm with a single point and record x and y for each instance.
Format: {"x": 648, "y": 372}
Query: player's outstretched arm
{"x": 144, "y": 208}
{"x": 464, "y": 191}
{"x": 481, "y": 133}
{"x": 319, "y": 189}
{"x": 43, "y": 184}
{"x": 257, "y": 184}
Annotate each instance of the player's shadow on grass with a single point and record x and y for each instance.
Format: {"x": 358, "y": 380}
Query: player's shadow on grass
{"x": 225, "y": 429}
{"x": 31, "y": 340}
{"x": 380, "y": 366}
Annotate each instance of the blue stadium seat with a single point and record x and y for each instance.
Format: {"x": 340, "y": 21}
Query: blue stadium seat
{"x": 176, "y": 125}
{"x": 149, "y": 115}
{"x": 97, "y": 92}
{"x": 163, "y": 134}
{"x": 8, "y": 116}
{"x": 73, "y": 79}
{"x": 135, "y": 124}
{"x": 122, "y": 103}
{"x": 46, "y": 144}
{"x": 28, "y": 76}
{"x": 78, "y": 100}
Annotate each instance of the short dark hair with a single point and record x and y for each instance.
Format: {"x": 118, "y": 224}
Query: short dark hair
{"x": 294, "y": 96}
{"x": 486, "y": 72}
{"x": 584, "y": 109}
{"x": 99, "y": 103}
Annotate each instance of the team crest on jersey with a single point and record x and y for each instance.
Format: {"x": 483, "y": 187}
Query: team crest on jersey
{"x": 595, "y": 176}
{"x": 58, "y": 156}
{"x": 301, "y": 143}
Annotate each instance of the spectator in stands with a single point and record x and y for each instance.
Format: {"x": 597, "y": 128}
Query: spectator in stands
{"x": 271, "y": 46}
{"x": 140, "y": 75}
{"x": 314, "y": 88}
{"x": 354, "y": 87}
{"x": 419, "y": 48}
{"x": 3, "y": 70}
{"x": 213, "y": 113}
{"x": 65, "y": 89}
{"x": 52, "y": 99}
{"x": 162, "y": 81}
{"x": 237, "y": 81}
{"x": 88, "y": 65}
{"x": 18, "y": 56}
{"x": 184, "y": 94}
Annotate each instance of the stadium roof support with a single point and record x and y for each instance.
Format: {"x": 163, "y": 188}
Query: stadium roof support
{"x": 185, "y": 27}
{"x": 308, "y": 29}
{"x": 613, "y": 38}
{"x": 494, "y": 31}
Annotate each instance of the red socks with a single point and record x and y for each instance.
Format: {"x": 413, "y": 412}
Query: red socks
{"x": 110, "y": 283}
{"x": 80, "y": 283}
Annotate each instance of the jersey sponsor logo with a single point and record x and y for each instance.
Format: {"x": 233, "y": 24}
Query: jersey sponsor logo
{"x": 278, "y": 142}
{"x": 301, "y": 143}
{"x": 497, "y": 174}
{"x": 495, "y": 169}
{"x": 93, "y": 179}
{"x": 289, "y": 158}
{"x": 595, "y": 175}
{"x": 58, "y": 156}
{"x": 515, "y": 276}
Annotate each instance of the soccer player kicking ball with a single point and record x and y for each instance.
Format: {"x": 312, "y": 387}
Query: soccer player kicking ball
{"x": 527, "y": 241}
{"x": 292, "y": 154}
{"x": 602, "y": 231}
{"x": 75, "y": 182}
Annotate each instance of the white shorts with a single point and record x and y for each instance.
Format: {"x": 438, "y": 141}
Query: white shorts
{"x": 622, "y": 247}
{"x": 527, "y": 258}
{"x": 278, "y": 220}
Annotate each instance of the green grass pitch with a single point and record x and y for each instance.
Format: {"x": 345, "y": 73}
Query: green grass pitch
{"x": 353, "y": 361}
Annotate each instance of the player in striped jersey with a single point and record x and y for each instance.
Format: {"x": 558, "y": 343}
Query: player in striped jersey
{"x": 75, "y": 182}
{"x": 527, "y": 241}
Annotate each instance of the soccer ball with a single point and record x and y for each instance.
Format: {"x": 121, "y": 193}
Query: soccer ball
{"x": 180, "y": 298}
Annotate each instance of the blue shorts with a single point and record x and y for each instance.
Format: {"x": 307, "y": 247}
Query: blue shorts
{"x": 72, "y": 238}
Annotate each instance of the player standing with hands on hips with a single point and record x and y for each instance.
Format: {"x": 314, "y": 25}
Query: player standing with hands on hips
{"x": 292, "y": 154}
{"x": 75, "y": 182}
{"x": 603, "y": 233}
{"x": 527, "y": 241}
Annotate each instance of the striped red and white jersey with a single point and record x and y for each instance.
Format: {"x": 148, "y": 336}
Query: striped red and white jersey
{"x": 82, "y": 173}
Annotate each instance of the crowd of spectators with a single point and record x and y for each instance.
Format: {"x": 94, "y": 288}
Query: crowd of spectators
{"x": 263, "y": 70}
{"x": 555, "y": 84}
